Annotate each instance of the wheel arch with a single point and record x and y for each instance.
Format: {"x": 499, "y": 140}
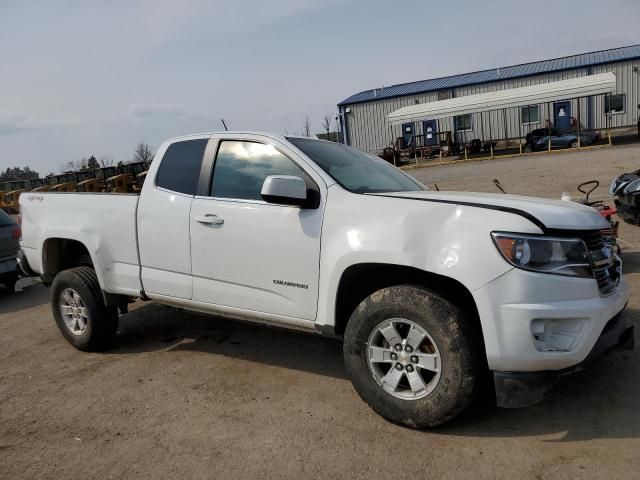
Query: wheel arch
{"x": 59, "y": 253}
{"x": 359, "y": 281}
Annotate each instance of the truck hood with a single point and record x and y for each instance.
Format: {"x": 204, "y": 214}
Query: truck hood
{"x": 545, "y": 213}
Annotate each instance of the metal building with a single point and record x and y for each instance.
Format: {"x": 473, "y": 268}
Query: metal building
{"x": 364, "y": 121}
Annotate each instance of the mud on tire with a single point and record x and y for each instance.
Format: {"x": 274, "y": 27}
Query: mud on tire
{"x": 96, "y": 327}
{"x": 451, "y": 344}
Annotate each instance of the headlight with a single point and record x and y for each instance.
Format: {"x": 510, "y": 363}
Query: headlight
{"x": 632, "y": 187}
{"x": 559, "y": 256}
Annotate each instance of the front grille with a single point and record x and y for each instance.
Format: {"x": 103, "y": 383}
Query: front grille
{"x": 605, "y": 264}
{"x": 593, "y": 240}
{"x": 628, "y": 199}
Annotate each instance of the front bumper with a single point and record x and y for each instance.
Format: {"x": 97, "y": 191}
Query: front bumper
{"x": 512, "y": 307}
{"x": 521, "y": 389}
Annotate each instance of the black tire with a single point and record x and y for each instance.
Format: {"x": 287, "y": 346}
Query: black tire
{"x": 452, "y": 332}
{"x": 101, "y": 320}
{"x": 573, "y": 144}
{"x": 10, "y": 283}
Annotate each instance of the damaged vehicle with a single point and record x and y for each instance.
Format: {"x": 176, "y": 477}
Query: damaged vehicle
{"x": 429, "y": 290}
{"x": 626, "y": 190}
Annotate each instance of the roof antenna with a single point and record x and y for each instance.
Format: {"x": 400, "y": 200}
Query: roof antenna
{"x": 224, "y": 124}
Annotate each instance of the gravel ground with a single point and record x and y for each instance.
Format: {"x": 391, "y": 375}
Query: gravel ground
{"x": 184, "y": 395}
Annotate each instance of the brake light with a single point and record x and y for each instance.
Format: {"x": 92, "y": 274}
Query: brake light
{"x": 17, "y": 233}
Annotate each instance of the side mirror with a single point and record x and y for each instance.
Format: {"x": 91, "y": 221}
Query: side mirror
{"x": 284, "y": 190}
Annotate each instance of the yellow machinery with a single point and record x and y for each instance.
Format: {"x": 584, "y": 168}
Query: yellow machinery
{"x": 79, "y": 177}
{"x": 97, "y": 183}
{"x": 140, "y": 178}
{"x": 39, "y": 185}
{"x": 121, "y": 183}
{"x": 59, "y": 183}
{"x": 10, "y": 198}
{"x": 128, "y": 180}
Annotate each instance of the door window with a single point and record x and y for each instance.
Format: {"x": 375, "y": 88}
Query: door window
{"x": 180, "y": 167}
{"x": 242, "y": 167}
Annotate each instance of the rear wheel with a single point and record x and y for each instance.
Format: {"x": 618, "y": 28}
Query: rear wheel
{"x": 412, "y": 356}
{"x": 573, "y": 144}
{"x": 79, "y": 310}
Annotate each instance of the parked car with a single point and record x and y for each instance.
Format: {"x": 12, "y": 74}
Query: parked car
{"x": 428, "y": 290}
{"x": 9, "y": 247}
{"x": 626, "y": 190}
{"x": 539, "y": 139}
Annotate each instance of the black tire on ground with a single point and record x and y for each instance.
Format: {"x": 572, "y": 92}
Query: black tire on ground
{"x": 10, "y": 283}
{"x": 461, "y": 363}
{"x": 573, "y": 144}
{"x": 101, "y": 320}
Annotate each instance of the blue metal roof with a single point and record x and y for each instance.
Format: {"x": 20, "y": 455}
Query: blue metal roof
{"x": 501, "y": 73}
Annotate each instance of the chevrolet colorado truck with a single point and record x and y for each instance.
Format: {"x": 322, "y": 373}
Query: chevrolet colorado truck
{"x": 429, "y": 290}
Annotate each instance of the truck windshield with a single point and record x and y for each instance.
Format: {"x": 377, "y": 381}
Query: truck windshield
{"x": 355, "y": 170}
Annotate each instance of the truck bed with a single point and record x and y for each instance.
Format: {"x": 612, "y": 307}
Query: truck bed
{"x": 104, "y": 222}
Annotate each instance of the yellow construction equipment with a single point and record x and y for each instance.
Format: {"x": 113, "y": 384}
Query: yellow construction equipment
{"x": 39, "y": 185}
{"x": 10, "y": 198}
{"x": 127, "y": 180}
{"x": 97, "y": 182}
{"x": 59, "y": 183}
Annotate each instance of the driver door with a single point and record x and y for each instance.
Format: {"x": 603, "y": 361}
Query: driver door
{"x": 249, "y": 254}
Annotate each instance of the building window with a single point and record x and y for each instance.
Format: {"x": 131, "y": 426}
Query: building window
{"x": 614, "y": 103}
{"x": 444, "y": 95}
{"x": 463, "y": 123}
{"x": 530, "y": 114}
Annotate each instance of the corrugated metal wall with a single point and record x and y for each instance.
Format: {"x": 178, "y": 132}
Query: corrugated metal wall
{"x": 369, "y": 129}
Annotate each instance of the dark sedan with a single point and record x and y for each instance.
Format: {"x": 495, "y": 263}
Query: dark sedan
{"x": 9, "y": 247}
{"x": 540, "y": 139}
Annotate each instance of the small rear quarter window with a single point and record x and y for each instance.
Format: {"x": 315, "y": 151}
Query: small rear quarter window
{"x": 179, "y": 170}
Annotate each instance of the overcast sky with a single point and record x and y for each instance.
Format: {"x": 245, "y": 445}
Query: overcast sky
{"x": 95, "y": 77}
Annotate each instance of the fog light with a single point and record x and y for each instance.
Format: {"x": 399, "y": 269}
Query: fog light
{"x": 556, "y": 334}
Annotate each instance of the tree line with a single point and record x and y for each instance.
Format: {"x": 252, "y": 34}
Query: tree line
{"x": 142, "y": 153}
{"x": 326, "y": 124}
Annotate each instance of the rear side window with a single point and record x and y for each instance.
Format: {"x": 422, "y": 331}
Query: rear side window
{"x": 242, "y": 167}
{"x": 180, "y": 167}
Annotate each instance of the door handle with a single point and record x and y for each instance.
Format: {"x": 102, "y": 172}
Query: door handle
{"x": 209, "y": 219}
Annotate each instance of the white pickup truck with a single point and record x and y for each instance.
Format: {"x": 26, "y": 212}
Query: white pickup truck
{"x": 429, "y": 290}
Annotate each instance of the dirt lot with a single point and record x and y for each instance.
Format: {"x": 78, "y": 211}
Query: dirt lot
{"x": 188, "y": 396}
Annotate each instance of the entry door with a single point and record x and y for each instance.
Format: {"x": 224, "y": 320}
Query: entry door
{"x": 163, "y": 219}
{"x": 249, "y": 254}
{"x": 408, "y": 131}
{"x": 562, "y": 115}
{"x": 430, "y": 131}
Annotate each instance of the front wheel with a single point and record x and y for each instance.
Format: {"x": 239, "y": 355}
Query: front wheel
{"x": 80, "y": 312}
{"x": 412, "y": 356}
